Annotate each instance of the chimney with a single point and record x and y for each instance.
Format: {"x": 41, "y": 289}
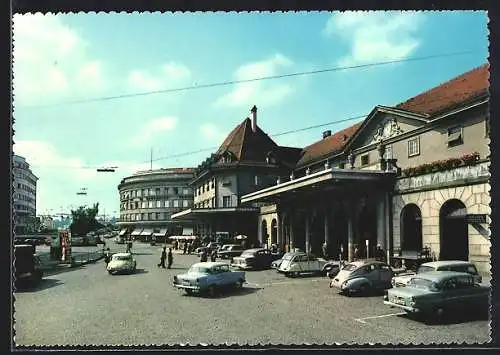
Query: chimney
{"x": 254, "y": 118}
{"x": 327, "y": 134}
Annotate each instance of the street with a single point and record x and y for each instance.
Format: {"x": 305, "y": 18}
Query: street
{"x": 87, "y": 306}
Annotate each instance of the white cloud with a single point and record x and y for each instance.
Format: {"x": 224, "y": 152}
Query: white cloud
{"x": 51, "y": 60}
{"x": 375, "y": 36}
{"x": 212, "y": 132}
{"x": 170, "y": 74}
{"x": 154, "y": 127}
{"x": 262, "y": 93}
{"x": 46, "y": 160}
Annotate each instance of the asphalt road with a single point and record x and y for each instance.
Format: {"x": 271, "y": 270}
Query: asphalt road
{"x": 88, "y": 306}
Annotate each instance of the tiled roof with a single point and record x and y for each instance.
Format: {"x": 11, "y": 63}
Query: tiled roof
{"x": 329, "y": 145}
{"x": 445, "y": 96}
{"x": 451, "y": 93}
{"x": 247, "y": 145}
{"x": 289, "y": 155}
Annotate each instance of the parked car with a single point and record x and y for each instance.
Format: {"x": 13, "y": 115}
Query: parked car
{"x": 301, "y": 263}
{"x": 402, "y": 280}
{"x": 276, "y": 263}
{"x": 258, "y": 258}
{"x": 229, "y": 251}
{"x": 436, "y": 293}
{"x": 332, "y": 268}
{"x": 209, "y": 277}
{"x": 28, "y": 267}
{"x": 362, "y": 276}
{"x": 122, "y": 263}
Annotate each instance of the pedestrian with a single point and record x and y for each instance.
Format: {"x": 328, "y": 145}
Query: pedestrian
{"x": 203, "y": 256}
{"x": 163, "y": 257}
{"x": 185, "y": 247}
{"x": 170, "y": 258}
{"x": 107, "y": 257}
{"x": 379, "y": 253}
{"x": 213, "y": 255}
{"x": 356, "y": 252}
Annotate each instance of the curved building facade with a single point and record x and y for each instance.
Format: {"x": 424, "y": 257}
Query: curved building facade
{"x": 149, "y": 198}
{"x": 24, "y": 196}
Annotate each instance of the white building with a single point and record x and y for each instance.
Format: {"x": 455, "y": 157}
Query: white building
{"x": 24, "y": 189}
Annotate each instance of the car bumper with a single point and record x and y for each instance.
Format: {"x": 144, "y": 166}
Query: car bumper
{"x": 406, "y": 308}
{"x": 186, "y": 287}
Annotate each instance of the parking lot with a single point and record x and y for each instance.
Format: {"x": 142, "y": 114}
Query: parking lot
{"x": 88, "y": 306}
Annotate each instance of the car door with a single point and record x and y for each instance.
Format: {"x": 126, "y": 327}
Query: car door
{"x": 312, "y": 263}
{"x": 216, "y": 275}
{"x": 451, "y": 294}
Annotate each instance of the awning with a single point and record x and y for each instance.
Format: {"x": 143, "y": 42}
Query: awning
{"x": 333, "y": 179}
{"x": 193, "y": 213}
{"x": 161, "y": 233}
{"x": 147, "y": 232}
{"x": 458, "y": 213}
{"x": 137, "y": 231}
{"x": 122, "y": 232}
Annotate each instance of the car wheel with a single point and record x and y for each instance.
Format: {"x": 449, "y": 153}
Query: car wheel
{"x": 296, "y": 274}
{"x": 238, "y": 284}
{"x": 110, "y": 272}
{"x": 188, "y": 291}
{"x": 211, "y": 291}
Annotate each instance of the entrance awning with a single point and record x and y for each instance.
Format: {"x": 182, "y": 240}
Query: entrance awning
{"x": 146, "y": 232}
{"x": 326, "y": 180}
{"x": 137, "y": 231}
{"x": 122, "y": 232}
{"x": 204, "y": 212}
{"x": 161, "y": 233}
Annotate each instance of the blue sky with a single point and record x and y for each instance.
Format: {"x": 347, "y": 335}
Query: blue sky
{"x": 82, "y": 56}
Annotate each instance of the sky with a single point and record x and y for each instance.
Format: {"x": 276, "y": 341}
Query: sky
{"x": 60, "y": 59}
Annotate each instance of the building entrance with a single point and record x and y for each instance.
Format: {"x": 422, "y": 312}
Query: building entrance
{"x": 454, "y": 234}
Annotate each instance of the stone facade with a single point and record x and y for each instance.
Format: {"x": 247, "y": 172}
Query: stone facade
{"x": 423, "y": 191}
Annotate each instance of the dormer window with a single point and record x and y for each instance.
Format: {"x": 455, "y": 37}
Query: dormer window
{"x": 271, "y": 158}
{"x": 455, "y": 136}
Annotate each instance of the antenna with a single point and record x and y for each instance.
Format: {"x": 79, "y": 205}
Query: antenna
{"x": 151, "y": 161}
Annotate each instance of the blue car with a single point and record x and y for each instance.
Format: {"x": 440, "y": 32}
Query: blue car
{"x": 209, "y": 277}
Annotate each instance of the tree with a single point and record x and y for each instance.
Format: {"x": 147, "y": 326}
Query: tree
{"x": 84, "y": 220}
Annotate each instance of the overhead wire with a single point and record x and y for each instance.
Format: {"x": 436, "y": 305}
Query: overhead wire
{"x": 242, "y": 81}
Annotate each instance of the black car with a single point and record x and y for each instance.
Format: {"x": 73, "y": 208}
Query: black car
{"x": 229, "y": 251}
{"x": 258, "y": 258}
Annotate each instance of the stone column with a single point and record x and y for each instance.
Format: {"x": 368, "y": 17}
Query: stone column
{"x": 290, "y": 223}
{"x": 381, "y": 221}
{"x": 327, "y": 235}
{"x": 350, "y": 235}
{"x": 308, "y": 242}
{"x": 279, "y": 231}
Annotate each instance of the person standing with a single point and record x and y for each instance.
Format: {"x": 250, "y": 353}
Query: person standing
{"x": 213, "y": 255}
{"x": 184, "y": 251}
{"x": 203, "y": 256}
{"x": 163, "y": 257}
{"x": 107, "y": 257}
{"x": 170, "y": 258}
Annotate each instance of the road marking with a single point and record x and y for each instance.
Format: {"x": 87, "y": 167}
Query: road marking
{"x": 362, "y": 320}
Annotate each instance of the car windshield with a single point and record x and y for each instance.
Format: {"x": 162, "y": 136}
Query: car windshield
{"x": 424, "y": 268}
{"x": 349, "y": 267}
{"x": 121, "y": 257}
{"x": 424, "y": 284}
{"x": 287, "y": 256}
{"x": 199, "y": 270}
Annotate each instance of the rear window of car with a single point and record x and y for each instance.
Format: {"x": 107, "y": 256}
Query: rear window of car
{"x": 287, "y": 256}
{"x": 350, "y": 267}
{"x": 248, "y": 253}
{"x": 119, "y": 257}
{"x": 470, "y": 269}
{"x": 424, "y": 268}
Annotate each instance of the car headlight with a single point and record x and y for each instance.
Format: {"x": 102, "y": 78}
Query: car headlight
{"x": 412, "y": 302}
{"x": 393, "y": 282}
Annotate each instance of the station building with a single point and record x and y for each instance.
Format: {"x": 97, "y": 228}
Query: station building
{"x": 412, "y": 178}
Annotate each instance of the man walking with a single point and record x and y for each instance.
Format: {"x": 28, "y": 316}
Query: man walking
{"x": 163, "y": 257}
{"x": 107, "y": 257}
{"x": 170, "y": 258}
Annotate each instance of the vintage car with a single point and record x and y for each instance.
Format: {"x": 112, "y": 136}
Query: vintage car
{"x": 443, "y": 265}
{"x": 362, "y": 276}
{"x": 436, "y": 293}
{"x": 295, "y": 264}
{"x": 209, "y": 277}
{"x": 122, "y": 263}
{"x": 229, "y": 251}
{"x": 258, "y": 258}
{"x": 276, "y": 263}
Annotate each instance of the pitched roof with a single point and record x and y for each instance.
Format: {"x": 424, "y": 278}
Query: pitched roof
{"x": 247, "y": 145}
{"x": 458, "y": 90}
{"x": 329, "y": 145}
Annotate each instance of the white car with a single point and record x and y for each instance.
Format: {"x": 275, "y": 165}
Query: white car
{"x": 122, "y": 263}
{"x": 362, "y": 276}
{"x": 294, "y": 264}
{"x": 443, "y": 265}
